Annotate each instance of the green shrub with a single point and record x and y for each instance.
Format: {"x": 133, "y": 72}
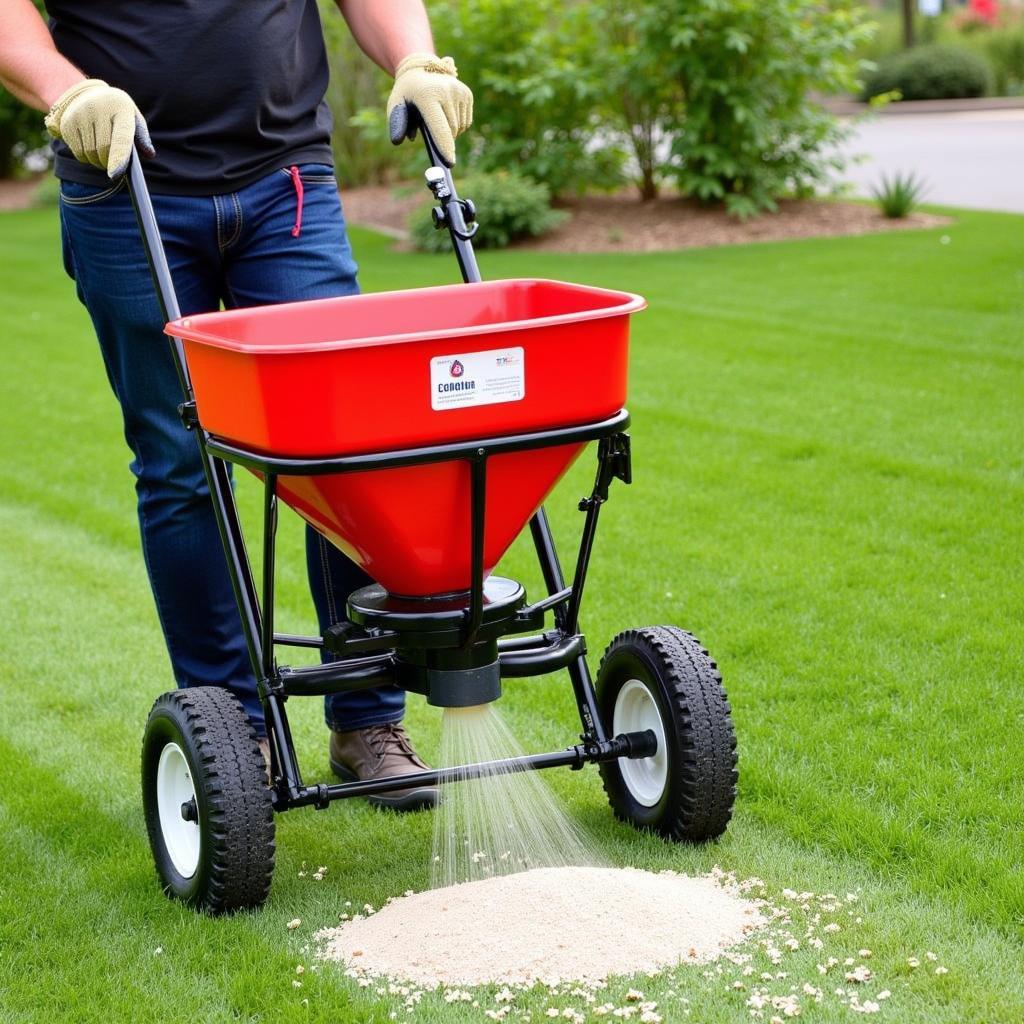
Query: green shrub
{"x": 898, "y": 195}
{"x": 936, "y": 72}
{"x": 509, "y": 207}
{"x": 46, "y": 193}
{"x": 640, "y": 102}
{"x": 709, "y": 93}
{"x": 357, "y": 95}
{"x": 21, "y": 131}
{"x": 1005, "y": 50}
{"x": 537, "y": 89}
{"x": 726, "y": 87}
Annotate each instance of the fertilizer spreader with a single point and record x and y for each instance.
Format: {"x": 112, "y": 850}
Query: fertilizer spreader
{"x": 419, "y": 431}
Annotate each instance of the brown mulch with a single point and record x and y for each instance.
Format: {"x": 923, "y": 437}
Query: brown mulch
{"x": 17, "y": 195}
{"x": 619, "y": 223}
{"x": 384, "y": 207}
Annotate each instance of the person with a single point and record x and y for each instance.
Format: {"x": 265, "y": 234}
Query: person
{"x": 226, "y": 102}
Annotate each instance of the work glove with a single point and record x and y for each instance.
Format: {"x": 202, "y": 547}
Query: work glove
{"x": 430, "y": 84}
{"x": 99, "y": 124}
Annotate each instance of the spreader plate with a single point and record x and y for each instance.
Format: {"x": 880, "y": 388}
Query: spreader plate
{"x": 373, "y": 606}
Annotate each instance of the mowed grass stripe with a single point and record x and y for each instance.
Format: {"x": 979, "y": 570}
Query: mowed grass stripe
{"x": 797, "y": 504}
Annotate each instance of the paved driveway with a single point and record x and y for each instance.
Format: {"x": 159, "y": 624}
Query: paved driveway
{"x": 971, "y": 159}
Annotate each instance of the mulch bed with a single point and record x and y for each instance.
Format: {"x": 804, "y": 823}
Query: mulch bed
{"x": 619, "y": 223}
{"x": 17, "y": 195}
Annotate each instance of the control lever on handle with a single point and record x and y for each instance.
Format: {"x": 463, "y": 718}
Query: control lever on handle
{"x": 452, "y": 213}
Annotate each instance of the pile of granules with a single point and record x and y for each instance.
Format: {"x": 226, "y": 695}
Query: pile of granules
{"x": 548, "y": 925}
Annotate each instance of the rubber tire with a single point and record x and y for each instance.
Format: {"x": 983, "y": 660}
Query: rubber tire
{"x": 700, "y": 790}
{"x": 236, "y": 819}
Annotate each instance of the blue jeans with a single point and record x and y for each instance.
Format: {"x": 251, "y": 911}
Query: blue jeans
{"x": 239, "y": 249}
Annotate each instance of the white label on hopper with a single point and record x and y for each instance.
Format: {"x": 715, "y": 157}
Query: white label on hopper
{"x": 477, "y": 378}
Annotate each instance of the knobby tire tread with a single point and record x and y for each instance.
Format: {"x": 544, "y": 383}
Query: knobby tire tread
{"x": 232, "y": 775}
{"x": 701, "y": 719}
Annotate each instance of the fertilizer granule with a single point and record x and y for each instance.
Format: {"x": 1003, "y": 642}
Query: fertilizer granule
{"x": 549, "y": 925}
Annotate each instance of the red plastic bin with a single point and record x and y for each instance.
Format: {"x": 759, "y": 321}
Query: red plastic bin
{"x": 403, "y": 369}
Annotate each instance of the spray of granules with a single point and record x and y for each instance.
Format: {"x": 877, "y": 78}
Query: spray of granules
{"x": 501, "y": 823}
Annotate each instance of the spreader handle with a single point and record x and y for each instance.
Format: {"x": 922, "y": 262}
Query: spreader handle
{"x": 157, "y": 259}
{"x": 455, "y": 217}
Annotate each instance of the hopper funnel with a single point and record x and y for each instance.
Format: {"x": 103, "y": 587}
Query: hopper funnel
{"x": 409, "y": 370}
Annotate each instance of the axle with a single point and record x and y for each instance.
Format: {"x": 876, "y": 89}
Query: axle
{"x": 632, "y": 745}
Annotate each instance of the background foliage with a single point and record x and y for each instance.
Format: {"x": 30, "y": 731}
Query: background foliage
{"x": 933, "y": 72}
{"x": 21, "y": 129}
{"x": 537, "y": 88}
{"x": 517, "y": 207}
{"x": 715, "y": 97}
{"x": 998, "y": 42}
{"x": 356, "y": 95}
{"x": 726, "y": 85}
{"x": 711, "y": 94}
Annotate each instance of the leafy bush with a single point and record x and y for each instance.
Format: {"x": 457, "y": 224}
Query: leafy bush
{"x": 21, "y": 130}
{"x": 936, "y": 72}
{"x": 727, "y": 84}
{"x": 640, "y": 102}
{"x": 357, "y": 94}
{"x": 509, "y": 207}
{"x": 1005, "y": 51}
{"x": 708, "y": 93}
{"x": 531, "y": 66}
{"x": 898, "y": 195}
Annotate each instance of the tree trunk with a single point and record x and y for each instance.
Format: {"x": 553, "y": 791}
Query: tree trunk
{"x": 7, "y": 141}
{"x": 642, "y": 131}
{"x": 908, "y": 23}
{"x": 648, "y": 186}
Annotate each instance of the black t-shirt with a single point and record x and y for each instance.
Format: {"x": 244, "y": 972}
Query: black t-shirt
{"x": 230, "y": 88}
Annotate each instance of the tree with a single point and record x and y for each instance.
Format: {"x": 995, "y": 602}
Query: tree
{"x": 640, "y": 100}
{"x": 726, "y": 84}
{"x": 908, "y": 23}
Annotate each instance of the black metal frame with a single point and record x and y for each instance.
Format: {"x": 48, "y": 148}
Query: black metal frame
{"x": 367, "y": 658}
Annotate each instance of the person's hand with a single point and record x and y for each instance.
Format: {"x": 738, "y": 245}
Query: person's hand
{"x": 431, "y": 84}
{"x": 99, "y": 124}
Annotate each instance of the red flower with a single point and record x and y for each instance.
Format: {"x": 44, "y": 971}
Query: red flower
{"x": 985, "y": 10}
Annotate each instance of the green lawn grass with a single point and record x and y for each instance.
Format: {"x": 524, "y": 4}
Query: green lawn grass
{"x": 829, "y": 490}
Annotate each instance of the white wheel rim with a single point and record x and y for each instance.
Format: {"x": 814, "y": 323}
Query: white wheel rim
{"x": 636, "y": 710}
{"x": 173, "y": 788}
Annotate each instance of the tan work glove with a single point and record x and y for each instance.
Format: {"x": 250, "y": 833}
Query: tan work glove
{"x": 99, "y": 124}
{"x": 431, "y": 84}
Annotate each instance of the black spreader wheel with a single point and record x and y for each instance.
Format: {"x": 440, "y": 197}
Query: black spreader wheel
{"x": 208, "y": 808}
{"x": 661, "y": 678}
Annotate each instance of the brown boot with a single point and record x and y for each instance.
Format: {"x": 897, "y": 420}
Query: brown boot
{"x": 264, "y": 742}
{"x": 378, "y": 752}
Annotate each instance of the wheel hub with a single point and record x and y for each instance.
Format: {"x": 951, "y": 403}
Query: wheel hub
{"x": 636, "y": 710}
{"x": 177, "y": 808}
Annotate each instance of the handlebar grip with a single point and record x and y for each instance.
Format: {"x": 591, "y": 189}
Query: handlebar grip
{"x": 414, "y": 123}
